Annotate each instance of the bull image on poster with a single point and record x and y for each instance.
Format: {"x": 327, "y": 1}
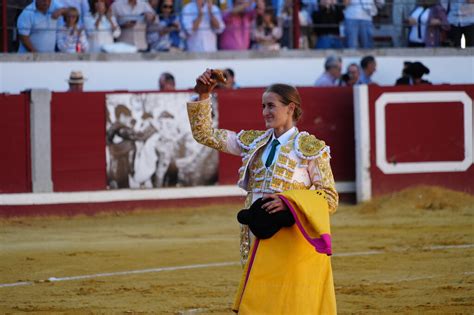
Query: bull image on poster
{"x": 150, "y": 144}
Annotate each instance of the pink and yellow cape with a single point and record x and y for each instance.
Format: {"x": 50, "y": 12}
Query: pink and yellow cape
{"x": 290, "y": 273}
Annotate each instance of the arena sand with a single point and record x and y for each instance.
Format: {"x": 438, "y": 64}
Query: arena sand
{"x": 411, "y": 252}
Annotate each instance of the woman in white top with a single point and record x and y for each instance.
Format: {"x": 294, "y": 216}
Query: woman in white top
{"x": 267, "y": 34}
{"x": 101, "y": 26}
{"x": 70, "y": 38}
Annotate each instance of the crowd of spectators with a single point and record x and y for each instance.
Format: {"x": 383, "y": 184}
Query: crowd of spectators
{"x": 206, "y": 25}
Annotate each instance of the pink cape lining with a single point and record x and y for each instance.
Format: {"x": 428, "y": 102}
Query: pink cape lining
{"x": 322, "y": 244}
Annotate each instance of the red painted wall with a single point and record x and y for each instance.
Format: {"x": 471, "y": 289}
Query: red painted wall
{"x": 15, "y": 168}
{"x": 78, "y": 141}
{"x": 420, "y": 132}
{"x": 327, "y": 113}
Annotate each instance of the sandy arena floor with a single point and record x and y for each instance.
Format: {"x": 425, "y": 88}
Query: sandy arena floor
{"x": 412, "y": 253}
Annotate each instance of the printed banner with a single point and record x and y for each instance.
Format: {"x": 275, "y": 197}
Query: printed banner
{"x": 149, "y": 143}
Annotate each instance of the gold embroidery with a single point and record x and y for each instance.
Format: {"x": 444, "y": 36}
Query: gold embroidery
{"x": 248, "y": 136}
{"x": 309, "y": 146}
{"x": 326, "y": 183}
{"x": 200, "y": 119}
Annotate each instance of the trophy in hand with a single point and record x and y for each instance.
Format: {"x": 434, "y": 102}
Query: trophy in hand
{"x": 207, "y": 81}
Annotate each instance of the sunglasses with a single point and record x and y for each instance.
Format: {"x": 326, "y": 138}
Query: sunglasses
{"x": 165, "y": 6}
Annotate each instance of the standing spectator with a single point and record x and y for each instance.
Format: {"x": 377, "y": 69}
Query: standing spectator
{"x": 326, "y": 25}
{"x": 330, "y": 77}
{"x": 427, "y": 21}
{"x": 358, "y": 25}
{"x": 166, "y": 82}
{"x": 37, "y": 25}
{"x": 101, "y": 26}
{"x": 164, "y": 35}
{"x": 413, "y": 74}
{"x": 368, "y": 66}
{"x": 82, "y": 6}
{"x": 284, "y": 14}
{"x": 267, "y": 34}
{"x": 70, "y": 37}
{"x": 202, "y": 21}
{"x": 351, "y": 77}
{"x": 133, "y": 16}
{"x": 238, "y": 25}
{"x": 461, "y": 18}
{"x": 76, "y": 81}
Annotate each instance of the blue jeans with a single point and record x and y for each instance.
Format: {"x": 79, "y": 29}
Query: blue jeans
{"x": 358, "y": 30}
{"x": 329, "y": 41}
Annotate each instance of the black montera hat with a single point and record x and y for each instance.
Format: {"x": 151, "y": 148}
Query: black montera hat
{"x": 263, "y": 224}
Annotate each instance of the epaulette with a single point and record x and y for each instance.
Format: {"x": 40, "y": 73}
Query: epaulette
{"x": 248, "y": 138}
{"x": 308, "y": 147}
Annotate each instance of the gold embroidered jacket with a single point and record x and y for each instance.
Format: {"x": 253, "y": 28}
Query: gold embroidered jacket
{"x": 303, "y": 163}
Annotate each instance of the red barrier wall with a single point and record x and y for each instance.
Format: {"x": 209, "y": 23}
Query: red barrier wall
{"x": 15, "y": 169}
{"x": 327, "y": 113}
{"x": 78, "y": 141}
{"x": 418, "y": 132}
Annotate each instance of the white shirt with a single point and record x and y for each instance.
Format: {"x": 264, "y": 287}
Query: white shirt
{"x": 103, "y": 34}
{"x": 461, "y": 13}
{"x": 204, "y": 39}
{"x": 124, "y": 12}
{"x": 283, "y": 139}
{"x": 418, "y": 31}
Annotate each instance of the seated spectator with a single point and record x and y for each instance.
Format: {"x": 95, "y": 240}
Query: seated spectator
{"x": 166, "y": 82}
{"x": 358, "y": 22}
{"x": 202, "y": 21}
{"x": 461, "y": 19}
{"x": 238, "y": 25}
{"x": 101, "y": 26}
{"x": 37, "y": 26}
{"x": 267, "y": 34}
{"x": 164, "y": 34}
{"x": 76, "y": 81}
{"x": 230, "y": 76}
{"x": 427, "y": 21}
{"x": 70, "y": 37}
{"x": 332, "y": 74}
{"x": 133, "y": 17}
{"x": 413, "y": 74}
{"x": 351, "y": 77}
{"x": 326, "y": 25}
{"x": 368, "y": 67}
{"x": 82, "y": 6}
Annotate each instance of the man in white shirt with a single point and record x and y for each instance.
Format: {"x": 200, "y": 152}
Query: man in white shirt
{"x": 133, "y": 17}
{"x": 358, "y": 22}
{"x": 202, "y": 21}
{"x": 461, "y": 18}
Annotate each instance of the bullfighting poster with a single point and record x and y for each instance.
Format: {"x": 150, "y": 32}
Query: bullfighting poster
{"x": 150, "y": 144}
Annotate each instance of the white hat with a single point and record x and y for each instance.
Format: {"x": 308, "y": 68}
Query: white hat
{"x": 76, "y": 77}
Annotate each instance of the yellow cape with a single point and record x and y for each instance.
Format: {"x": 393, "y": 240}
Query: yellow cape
{"x": 290, "y": 273}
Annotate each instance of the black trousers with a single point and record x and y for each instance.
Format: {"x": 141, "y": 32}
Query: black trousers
{"x": 455, "y": 34}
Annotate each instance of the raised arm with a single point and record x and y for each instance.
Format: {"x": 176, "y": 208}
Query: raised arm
{"x": 200, "y": 117}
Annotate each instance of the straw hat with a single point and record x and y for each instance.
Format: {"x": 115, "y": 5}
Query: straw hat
{"x": 76, "y": 77}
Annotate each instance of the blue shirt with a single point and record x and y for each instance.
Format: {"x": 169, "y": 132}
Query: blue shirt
{"x": 41, "y": 28}
{"x": 363, "y": 79}
{"x": 283, "y": 139}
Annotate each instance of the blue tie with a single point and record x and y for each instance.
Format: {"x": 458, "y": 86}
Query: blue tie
{"x": 270, "y": 157}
